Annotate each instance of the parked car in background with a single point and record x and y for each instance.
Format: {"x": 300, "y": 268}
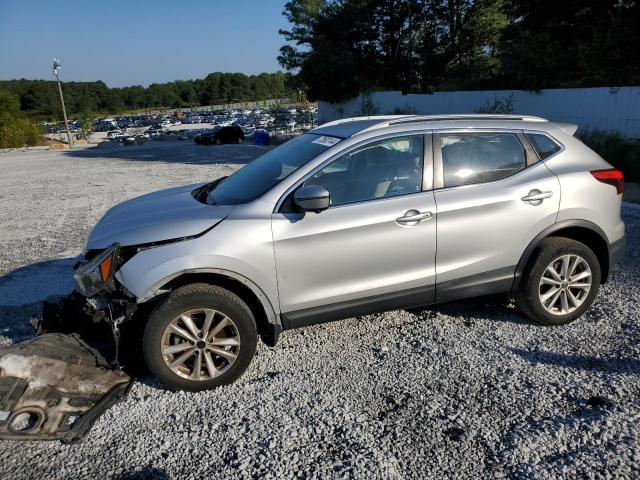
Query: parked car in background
{"x": 134, "y": 140}
{"x": 230, "y": 134}
{"x": 115, "y": 135}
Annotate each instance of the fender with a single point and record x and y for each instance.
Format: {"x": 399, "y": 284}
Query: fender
{"x": 156, "y": 289}
{"x": 549, "y": 231}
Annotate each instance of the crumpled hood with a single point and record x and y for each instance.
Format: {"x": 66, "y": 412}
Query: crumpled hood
{"x": 155, "y": 217}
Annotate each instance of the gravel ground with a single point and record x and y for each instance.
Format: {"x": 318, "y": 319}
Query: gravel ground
{"x": 468, "y": 389}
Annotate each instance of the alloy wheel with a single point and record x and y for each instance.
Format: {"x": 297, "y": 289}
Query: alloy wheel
{"x": 200, "y": 344}
{"x": 565, "y": 284}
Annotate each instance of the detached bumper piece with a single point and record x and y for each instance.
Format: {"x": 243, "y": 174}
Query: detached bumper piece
{"x": 54, "y": 387}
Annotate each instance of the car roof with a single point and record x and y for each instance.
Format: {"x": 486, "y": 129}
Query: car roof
{"x": 349, "y": 127}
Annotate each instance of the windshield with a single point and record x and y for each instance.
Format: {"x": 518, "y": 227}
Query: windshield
{"x": 266, "y": 171}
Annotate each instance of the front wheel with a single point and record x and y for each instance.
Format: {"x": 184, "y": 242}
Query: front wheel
{"x": 199, "y": 337}
{"x": 561, "y": 282}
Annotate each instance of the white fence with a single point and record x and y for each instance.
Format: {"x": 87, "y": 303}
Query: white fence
{"x": 612, "y": 109}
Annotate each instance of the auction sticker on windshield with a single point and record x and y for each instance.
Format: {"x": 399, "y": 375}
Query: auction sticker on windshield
{"x": 326, "y": 141}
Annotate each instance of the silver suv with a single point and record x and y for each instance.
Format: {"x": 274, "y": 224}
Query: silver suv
{"x": 357, "y": 216}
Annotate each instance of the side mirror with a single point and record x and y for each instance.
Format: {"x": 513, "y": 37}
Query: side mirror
{"x": 312, "y": 198}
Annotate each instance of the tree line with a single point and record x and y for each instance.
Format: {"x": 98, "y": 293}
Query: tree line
{"x": 15, "y": 130}
{"x": 343, "y": 47}
{"x": 39, "y": 98}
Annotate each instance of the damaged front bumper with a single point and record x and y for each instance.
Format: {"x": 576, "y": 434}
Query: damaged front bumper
{"x": 54, "y": 387}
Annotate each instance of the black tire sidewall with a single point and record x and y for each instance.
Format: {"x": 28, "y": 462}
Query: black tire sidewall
{"x": 550, "y": 249}
{"x": 193, "y": 297}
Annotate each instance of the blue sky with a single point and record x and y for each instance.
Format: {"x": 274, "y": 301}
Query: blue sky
{"x": 138, "y": 41}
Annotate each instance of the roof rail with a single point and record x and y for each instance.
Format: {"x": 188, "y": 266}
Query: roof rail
{"x": 376, "y": 122}
{"x": 382, "y": 118}
{"x": 473, "y": 116}
{"x": 406, "y": 119}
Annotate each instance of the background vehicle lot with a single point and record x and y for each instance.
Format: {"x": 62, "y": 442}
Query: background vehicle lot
{"x": 467, "y": 388}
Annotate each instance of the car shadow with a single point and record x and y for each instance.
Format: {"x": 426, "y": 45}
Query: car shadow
{"x": 37, "y": 282}
{"x": 23, "y": 290}
{"x": 626, "y": 366}
{"x": 173, "y": 151}
{"x": 492, "y": 307}
{"x": 142, "y": 473}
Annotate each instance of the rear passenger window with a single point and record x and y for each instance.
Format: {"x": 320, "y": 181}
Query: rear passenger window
{"x": 543, "y": 145}
{"x": 480, "y": 157}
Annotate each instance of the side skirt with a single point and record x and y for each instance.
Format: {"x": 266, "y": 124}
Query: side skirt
{"x": 415, "y": 297}
{"x": 488, "y": 283}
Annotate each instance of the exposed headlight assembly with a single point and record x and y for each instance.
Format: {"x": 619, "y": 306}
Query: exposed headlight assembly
{"x": 97, "y": 274}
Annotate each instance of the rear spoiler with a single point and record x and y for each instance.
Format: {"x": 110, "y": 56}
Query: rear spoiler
{"x": 570, "y": 128}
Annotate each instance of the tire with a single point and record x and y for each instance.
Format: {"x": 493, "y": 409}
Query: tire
{"x": 239, "y": 140}
{"x": 218, "y": 141}
{"x": 236, "y": 338}
{"x": 551, "y": 253}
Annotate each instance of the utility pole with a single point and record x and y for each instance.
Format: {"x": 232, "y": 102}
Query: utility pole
{"x": 56, "y": 67}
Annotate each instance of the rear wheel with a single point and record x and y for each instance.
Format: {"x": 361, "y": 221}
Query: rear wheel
{"x": 239, "y": 140}
{"x": 560, "y": 283}
{"x": 199, "y": 338}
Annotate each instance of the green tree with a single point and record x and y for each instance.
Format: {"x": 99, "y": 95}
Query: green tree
{"x": 87, "y": 119}
{"x": 571, "y": 43}
{"x": 342, "y": 48}
{"x": 9, "y": 103}
{"x": 39, "y": 98}
{"x": 17, "y": 132}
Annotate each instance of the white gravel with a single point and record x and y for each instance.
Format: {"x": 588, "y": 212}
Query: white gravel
{"x": 468, "y": 389}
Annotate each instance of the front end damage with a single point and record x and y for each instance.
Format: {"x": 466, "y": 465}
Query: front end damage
{"x": 56, "y": 385}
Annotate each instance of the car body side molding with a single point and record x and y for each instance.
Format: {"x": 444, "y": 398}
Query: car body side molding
{"x": 414, "y": 297}
{"x": 485, "y": 283}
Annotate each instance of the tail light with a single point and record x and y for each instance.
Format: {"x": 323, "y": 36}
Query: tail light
{"x": 610, "y": 176}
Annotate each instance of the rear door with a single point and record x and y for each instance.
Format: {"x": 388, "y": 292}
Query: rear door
{"x": 493, "y": 197}
{"x": 374, "y": 248}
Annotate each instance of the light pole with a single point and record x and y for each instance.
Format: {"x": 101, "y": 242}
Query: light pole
{"x": 56, "y": 67}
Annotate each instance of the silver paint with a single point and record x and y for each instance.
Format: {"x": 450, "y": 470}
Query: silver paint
{"x": 294, "y": 261}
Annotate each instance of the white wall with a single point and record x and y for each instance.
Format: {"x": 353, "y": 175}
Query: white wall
{"x": 612, "y": 109}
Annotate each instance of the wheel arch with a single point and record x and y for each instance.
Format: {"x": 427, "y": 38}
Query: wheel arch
{"x": 580, "y": 230}
{"x": 267, "y": 320}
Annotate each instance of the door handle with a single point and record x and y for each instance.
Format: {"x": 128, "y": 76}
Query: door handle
{"x": 413, "y": 216}
{"x": 535, "y": 197}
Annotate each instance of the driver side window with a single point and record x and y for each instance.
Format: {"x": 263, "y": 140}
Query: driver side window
{"x": 385, "y": 168}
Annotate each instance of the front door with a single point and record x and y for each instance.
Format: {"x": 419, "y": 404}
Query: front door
{"x": 373, "y": 249}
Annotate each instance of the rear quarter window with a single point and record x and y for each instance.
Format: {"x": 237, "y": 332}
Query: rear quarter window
{"x": 543, "y": 145}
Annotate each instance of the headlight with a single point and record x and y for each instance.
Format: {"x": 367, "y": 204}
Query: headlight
{"x": 97, "y": 274}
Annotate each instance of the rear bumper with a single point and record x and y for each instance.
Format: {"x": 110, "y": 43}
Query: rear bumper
{"x": 616, "y": 250}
